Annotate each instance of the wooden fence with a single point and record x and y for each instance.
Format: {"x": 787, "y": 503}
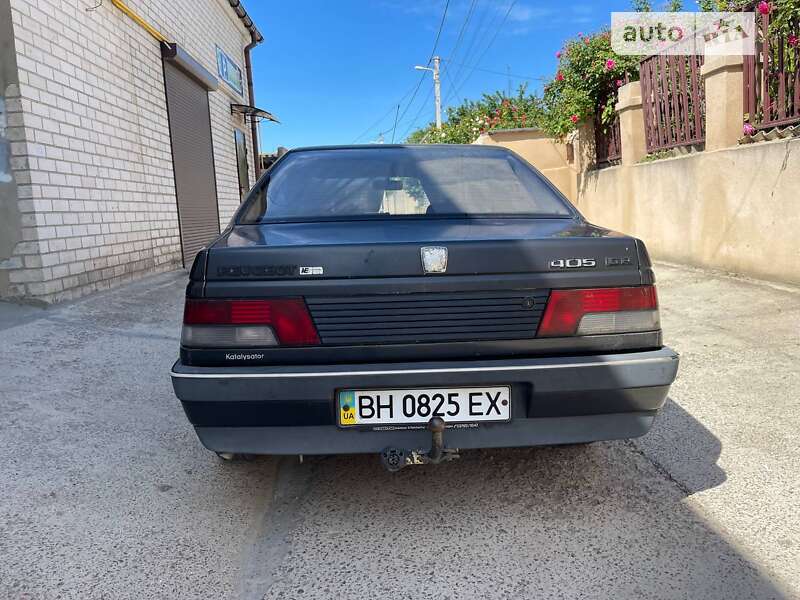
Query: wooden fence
{"x": 608, "y": 137}
{"x": 673, "y": 101}
{"x": 772, "y": 78}
{"x": 608, "y": 141}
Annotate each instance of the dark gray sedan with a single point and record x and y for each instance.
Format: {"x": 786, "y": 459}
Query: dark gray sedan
{"x": 412, "y": 301}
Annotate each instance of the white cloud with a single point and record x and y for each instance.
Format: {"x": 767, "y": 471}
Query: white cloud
{"x": 581, "y": 9}
{"x": 525, "y": 19}
{"x": 522, "y": 14}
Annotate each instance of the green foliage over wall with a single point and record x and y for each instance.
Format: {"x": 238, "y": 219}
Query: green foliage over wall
{"x": 493, "y": 111}
{"x": 588, "y": 76}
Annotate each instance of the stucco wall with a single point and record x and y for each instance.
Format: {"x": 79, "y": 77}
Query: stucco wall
{"x": 545, "y": 153}
{"x": 90, "y": 141}
{"x": 736, "y": 209}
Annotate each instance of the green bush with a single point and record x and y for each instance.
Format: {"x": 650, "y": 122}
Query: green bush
{"x": 466, "y": 122}
{"x": 588, "y": 76}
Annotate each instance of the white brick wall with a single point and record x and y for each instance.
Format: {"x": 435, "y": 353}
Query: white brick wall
{"x": 90, "y": 139}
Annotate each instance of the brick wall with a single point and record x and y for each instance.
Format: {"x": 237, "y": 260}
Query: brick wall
{"x": 90, "y": 141}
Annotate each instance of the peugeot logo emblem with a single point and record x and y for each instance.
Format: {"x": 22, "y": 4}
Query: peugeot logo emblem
{"x": 434, "y": 259}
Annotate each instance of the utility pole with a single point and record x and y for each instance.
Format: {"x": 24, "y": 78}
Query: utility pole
{"x": 437, "y": 88}
{"x": 437, "y": 92}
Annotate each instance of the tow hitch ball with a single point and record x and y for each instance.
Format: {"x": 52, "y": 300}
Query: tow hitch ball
{"x": 395, "y": 459}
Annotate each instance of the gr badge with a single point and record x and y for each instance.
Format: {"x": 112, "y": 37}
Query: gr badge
{"x": 573, "y": 263}
{"x": 624, "y": 261}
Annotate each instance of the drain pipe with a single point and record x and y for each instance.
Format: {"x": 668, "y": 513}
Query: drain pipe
{"x": 248, "y": 67}
{"x": 256, "y": 38}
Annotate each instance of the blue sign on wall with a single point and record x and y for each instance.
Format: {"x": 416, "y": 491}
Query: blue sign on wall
{"x": 229, "y": 71}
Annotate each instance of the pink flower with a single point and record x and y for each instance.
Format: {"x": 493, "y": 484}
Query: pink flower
{"x": 574, "y": 118}
{"x": 620, "y": 83}
{"x": 610, "y": 64}
{"x": 586, "y": 41}
{"x": 764, "y": 7}
{"x": 748, "y": 129}
{"x": 559, "y": 76}
{"x": 558, "y": 54}
{"x": 793, "y": 41}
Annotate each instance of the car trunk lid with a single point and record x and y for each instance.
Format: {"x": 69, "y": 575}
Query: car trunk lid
{"x": 390, "y": 249}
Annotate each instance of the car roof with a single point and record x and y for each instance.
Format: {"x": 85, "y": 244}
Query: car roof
{"x": 461, "y": 147}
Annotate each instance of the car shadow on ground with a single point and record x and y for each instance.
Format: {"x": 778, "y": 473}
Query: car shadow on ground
{"x": 604, "y": 520}
{"x": 684, "y": 449}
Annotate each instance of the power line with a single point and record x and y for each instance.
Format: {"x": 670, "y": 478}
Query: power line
{"x": 491, "y": 42}
{"x": 476, "y": 38}
{"x": 486, "y": 49}
{"x": 419, "y": 113}
{"x": 439, "y": 33}
{"x": 463, "y": 28}
{"x": 433, "y": 53}
{"x": 461, "y": 75}
{"x": 371, "y": 127}
{"x": 478, "y": 33}
{"x": 504, "y": 73}
{"x": 462, "y": 31}
{"x": 395, "y": 122}
{"x": 382, "y": 117}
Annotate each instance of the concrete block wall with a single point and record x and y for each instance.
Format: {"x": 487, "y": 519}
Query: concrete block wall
{"x": 735, "y": 209}
{"x": 89, "y": 138}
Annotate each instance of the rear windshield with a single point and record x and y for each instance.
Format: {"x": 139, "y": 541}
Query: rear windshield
{"x": 435, "y": 181}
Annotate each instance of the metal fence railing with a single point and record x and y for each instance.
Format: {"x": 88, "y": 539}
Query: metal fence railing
{"x": 772, "y": 77}
{"x": 673, "y": 101}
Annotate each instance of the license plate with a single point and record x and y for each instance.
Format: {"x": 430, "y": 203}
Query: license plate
{"x": 416, "y": 406}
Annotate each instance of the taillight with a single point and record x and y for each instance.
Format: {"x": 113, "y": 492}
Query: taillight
{"x": 600, "y": 311}
{"x": 253, "y": 323}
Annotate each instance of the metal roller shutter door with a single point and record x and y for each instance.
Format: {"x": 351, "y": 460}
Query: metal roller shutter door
{"x": 193, "y": 160}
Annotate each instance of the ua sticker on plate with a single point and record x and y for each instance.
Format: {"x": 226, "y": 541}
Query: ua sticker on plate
{"x": 347, "y": 408}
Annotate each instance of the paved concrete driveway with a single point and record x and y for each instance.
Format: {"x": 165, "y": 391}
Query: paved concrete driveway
{"x": 106, "y": 493}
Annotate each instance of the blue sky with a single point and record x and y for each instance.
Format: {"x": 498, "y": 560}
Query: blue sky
{"x": 333, "y": 72}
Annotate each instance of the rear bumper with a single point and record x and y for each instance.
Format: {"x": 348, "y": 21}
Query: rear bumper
{"x": 555, "y": 400}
